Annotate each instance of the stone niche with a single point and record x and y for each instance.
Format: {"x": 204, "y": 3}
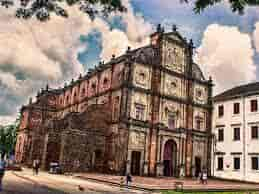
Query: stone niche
{"x": 142, "y": 76}
{"x": 169, "y": 107}
{"x": 199, "y": 119}
{"x": 200, "y": 94}
{"x": 173, "y": 57}
{"x": 140, "y": 99}
{"x": 172, "y": 85}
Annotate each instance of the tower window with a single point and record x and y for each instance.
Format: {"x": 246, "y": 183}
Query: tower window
{"x": 199, "y": 123}
{"x": 139, "y": 111}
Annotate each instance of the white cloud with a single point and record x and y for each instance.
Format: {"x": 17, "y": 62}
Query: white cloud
{"x": 256, "y": 36}
{"x": 5, "y": 120}
{"x": 136, "y": 34}
{"x": 47, "y": 52}
{"x": 226, "y": 54}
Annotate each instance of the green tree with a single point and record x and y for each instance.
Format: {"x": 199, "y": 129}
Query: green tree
{"x": 8, "y": 135}
{"x": 237, "y": 6}
{"x": 42, "y": 9}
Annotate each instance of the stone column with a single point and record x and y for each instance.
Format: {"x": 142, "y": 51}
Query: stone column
{"x": 146, "y": 162}
{"x": 128, "y": 164}
{"x": 152, "y": 156}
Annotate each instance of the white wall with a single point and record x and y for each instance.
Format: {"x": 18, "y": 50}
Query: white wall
{"x": 230, "y": 148}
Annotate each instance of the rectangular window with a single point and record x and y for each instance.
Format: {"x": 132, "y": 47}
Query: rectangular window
{"x": 253, "y": 105}
{"x": 140, "y": 110}
{"x": 171, "y": 121}
{"x": 254, "y": 132}
{"x": 220, "y": 163}
{"x": 220, "y": 110}
{"x": 236, "y": 163}
{"x": 255, "y": 165}
{"x": 221, "y": 135}
{"x": 236, "y": 134}
{"x": 236, "y": 108}
{"x": 199, "y": 124}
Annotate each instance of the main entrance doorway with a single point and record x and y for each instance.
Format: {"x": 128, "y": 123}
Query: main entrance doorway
{"x": 170, "y": 158}
{"x": 135, "y": 163}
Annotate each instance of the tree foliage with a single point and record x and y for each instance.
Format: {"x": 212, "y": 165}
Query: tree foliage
{"x": 237, "y": 6}
{"x": 8, "y": 135}
{"x": 42, "y": 9}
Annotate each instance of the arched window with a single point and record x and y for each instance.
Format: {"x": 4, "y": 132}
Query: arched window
{"x": 105, "y": 81}
{"x": 83, "y": 92}
{"x": 93, "y": 86}
{"x": 171, "y": 120}
{"x": 139, "y": 111}
{"x": 67, "y": 99}
{"x": 199, "y": 123}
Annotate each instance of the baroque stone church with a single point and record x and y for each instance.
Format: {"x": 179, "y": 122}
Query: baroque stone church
{"x": 147, "y": 112}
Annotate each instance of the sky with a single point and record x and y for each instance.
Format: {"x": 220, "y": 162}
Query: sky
{"x": 33, "y": 54}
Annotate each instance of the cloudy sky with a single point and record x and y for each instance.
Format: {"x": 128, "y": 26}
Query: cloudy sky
{"x": 33, "y": 53}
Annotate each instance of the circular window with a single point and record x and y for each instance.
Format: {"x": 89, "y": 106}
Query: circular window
{"x": 173, "y": 85}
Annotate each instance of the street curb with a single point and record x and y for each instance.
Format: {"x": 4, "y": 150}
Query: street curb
{"x": 161, "y": 190}
{"x": 116, "y": 184}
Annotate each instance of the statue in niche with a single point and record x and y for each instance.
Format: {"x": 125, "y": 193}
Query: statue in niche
{"x": 171, "y": 86}
{"x": 141, "y": 77}
{"x": 174, "y": 57}
{"x": 199, "y": 94}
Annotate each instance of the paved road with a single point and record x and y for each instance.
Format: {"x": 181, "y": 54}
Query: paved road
{"x": 25, "y": 183}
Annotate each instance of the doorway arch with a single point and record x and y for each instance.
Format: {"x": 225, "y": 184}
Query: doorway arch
{"x": 170, "y": 158}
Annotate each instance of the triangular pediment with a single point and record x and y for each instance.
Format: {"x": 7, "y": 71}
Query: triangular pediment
{"x": 176, "y": 37}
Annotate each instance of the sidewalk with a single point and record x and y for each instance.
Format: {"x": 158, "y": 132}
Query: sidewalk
{"x": 168, "y": 183}
{"x": 69, "y": 184}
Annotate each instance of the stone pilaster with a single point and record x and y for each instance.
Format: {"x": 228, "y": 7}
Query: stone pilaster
{"x": 159, "y": 169}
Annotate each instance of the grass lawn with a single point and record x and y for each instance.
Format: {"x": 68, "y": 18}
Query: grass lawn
{"x": 243, "y": 192}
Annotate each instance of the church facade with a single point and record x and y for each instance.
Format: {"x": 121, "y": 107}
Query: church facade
{"x": 147, "y": 112}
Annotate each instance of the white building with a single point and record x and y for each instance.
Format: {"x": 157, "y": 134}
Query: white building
{"x": 235, "y": 125}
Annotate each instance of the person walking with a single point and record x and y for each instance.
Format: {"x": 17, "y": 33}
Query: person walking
{"x": 205, "y": 177}
{"x": 200, "y": 178}
{"x": 34, "y": 167}
{"x": 2, "y": 171}
{"x": 37, "y": 166}
{"x": 129, "y": 180}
